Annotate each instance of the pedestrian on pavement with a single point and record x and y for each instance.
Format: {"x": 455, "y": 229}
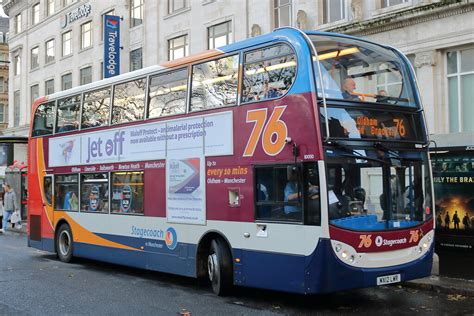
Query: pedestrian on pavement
{"x": 9, "y": 205}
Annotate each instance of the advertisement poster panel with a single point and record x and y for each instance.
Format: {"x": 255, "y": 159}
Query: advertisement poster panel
{"x": 453, "y": 177}
{"x": 185, "y": 190}
{"x": 210, "y": 135}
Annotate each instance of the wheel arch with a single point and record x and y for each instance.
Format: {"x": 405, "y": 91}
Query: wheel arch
{"x": 202, "y": 250}
{"x": 56, "y": 229}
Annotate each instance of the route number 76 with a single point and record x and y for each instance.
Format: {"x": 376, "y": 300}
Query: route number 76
{"x": 272, "y": 132}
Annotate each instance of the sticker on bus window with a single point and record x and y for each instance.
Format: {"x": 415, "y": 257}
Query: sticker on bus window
{"x": 126, "y": 199}
{"x": 94, "y": 198}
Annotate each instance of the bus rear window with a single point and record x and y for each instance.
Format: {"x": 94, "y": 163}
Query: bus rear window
{"x": 43, "y": 121}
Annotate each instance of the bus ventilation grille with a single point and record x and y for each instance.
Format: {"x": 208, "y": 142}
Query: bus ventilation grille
{"x": 35, "y": 227}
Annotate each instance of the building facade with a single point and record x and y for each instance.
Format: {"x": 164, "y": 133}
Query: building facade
{"x": 57, "y": 44}
{"x": 4, "y": 63}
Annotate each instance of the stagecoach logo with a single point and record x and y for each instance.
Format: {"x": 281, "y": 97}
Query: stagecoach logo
{"x": 171, "y": 238}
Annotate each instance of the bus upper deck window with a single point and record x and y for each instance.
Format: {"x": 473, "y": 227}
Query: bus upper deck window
{"x": 43, "y": 120}
{"x": 95, "y": 110}
{"x": 168, "y": 93}
{"x": 68, "y": 114}
{"x": 215, "y": 83}
{"x": 268, "y": 73}
{"x": 129, "y": 101}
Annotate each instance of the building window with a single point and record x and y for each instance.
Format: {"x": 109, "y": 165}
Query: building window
{"x": 176, "y": 5}
{"x": 34, "y": 93}
{"x": 35, "y": 14}
{"x": 136, "y": 12}
{"x": 16, "y": 108}
{"x": 136, "y": 60}
{"x": 18, "y": 23}
{"x": 49, "y": 87}
{"x": 219, "y": 35}
{"x": 86, "y": 35}
{"x": 178, "y": 47}
{"x": 66, "y": 81}
{"x": 35, "y": 57}
{"x": 17, "y": 65}
{"x": 50, "y": 7}
{"x": 2, "y": 113}
{"x": 86, "y": 75}
{"x": 111, "y": 12}
{"x": 460, "y": 73}
{"x": 2, "y": 85}
{"x": 389, "y": 3}
{"x": 282, "y": 12}
{"x": 50, "y": 51}
{"x": 67, "y": 43}
{"x": 334, "y": 10}
{"x": 68, "y": 2}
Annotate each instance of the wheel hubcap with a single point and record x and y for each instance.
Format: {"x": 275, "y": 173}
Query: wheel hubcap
{"x": 64, "y": 243}
{"x": 212, "y": 266}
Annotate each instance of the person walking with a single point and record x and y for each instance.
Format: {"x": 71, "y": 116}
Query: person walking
{"x": 9, "y": 205}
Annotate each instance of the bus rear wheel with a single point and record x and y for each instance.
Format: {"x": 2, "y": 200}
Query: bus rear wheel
{"x": 64, "y": 243}
{"x": 219, "y": 267}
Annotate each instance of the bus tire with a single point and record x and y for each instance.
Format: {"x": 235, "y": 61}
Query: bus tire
{"x": 64, "y": 243}
{"x": 219, "y": 267}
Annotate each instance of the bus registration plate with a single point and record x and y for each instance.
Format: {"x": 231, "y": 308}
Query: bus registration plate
{"x": 387, "y": 279}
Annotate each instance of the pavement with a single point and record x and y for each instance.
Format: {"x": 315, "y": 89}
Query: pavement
{"x": 435, "y": 282}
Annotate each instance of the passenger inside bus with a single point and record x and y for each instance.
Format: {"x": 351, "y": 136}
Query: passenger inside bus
{"x": 293, "y": 193}
{"x": 348, "y": 87}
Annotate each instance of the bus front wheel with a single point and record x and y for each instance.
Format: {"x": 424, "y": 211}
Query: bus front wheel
{"x": 219, "y": 267}
{"x": 64, "y": 243}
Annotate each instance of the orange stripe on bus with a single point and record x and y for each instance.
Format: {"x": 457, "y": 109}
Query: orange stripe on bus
{"x": 80, "y": 234}
{"x": 192, "y": 58}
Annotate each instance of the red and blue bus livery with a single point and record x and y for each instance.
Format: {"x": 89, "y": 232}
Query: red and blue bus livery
{"x": 294, "y": 161}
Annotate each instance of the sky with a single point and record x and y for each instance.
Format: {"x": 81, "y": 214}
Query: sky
{"x": 1, "y": 11}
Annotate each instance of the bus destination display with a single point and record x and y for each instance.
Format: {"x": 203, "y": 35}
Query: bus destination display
{"x": 371, "y": 124}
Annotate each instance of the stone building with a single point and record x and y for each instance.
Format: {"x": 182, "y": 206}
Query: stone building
{"x": 4, "y": 63}
{"x": 57, "y": 44}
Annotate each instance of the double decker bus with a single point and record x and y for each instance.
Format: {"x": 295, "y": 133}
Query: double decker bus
{"x": 293, "y": 161}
